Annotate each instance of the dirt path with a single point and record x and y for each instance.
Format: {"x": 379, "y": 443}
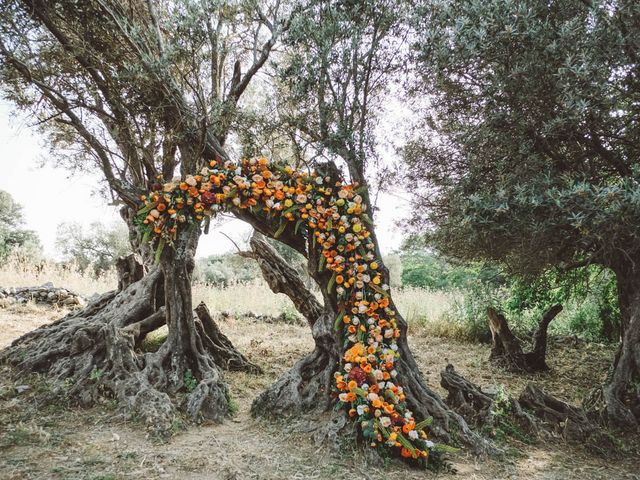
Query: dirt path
{"x": 44, "y": 440}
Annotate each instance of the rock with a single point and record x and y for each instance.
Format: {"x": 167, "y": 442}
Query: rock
{"x": 46, "y": 293}
{"x": 22, "y": 388}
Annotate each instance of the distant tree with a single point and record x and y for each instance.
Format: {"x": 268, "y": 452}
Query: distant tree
{"x": 13, "y": 236}
{"x": 223, "y": 270}
{"x": 95, "y": 248}
{"x": 528, "y": 152}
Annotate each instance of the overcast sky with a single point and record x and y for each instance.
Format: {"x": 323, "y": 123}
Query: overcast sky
{"x": 50, "y": 196}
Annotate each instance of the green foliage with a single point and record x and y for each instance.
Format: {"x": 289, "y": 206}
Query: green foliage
{"x": 95, "y": 249}
{"x": 190, "y": 382}
{"x": 13, "y": 238}
{"x": 470, "y": 310}
{"x": 534, "y": 108}
{"x": 425, "y": 269}
{"x": 96, "y": 374}
{"x": 233, "y": 406}
{"x": 340, "y": 58}
{"x": 223, "y": 270}
{"x": 588, "y": 294}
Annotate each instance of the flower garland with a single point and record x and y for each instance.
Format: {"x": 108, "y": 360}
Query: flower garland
{"x": 336, "y": 216}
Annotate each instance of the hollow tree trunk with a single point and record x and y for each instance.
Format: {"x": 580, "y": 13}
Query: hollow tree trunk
{"x": 618, "y": 399}
{"x": 506, "y": 349}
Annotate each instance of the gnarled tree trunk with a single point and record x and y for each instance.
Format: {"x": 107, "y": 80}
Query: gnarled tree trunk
{"x": 92, "y": 353}
{"x": 535, "y": 414}
{"x": 306, "y": 388}
{"x": 506, "y": 349}
{"x": 618, "y": 399}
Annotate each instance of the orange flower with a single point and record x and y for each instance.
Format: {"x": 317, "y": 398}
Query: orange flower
{"x": 405, "y": 452}
{"x": 339, "y": 279}
{"x": 161, "y": 207}
{"x": 407, "y": 427}
{"x": 351, "y": 397}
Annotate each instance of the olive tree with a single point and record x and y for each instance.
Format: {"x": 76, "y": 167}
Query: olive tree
{"x": 528, "y": 145}
{"x": 143, "y": 91}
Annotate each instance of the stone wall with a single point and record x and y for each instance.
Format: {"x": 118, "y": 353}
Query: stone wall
{"x": 46, "y": 293}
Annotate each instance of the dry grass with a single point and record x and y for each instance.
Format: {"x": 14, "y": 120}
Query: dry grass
{"x": 41, "y": 437}
{"x": 254, "y": 297}
{"x": 15, "y": 272}
{"x": 421, "y": 308}
{"x": 44, "y": 439}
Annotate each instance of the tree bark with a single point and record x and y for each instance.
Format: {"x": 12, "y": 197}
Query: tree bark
{"x": 130, "y": 270}
{"x": 506, "y": 349}
{"x": 92, "y": 354}
{"x": 306, "y": 388}
{"x": 219, "y": 346}
{"x": 535, "y": 414}
{"x": 618, "y": 399}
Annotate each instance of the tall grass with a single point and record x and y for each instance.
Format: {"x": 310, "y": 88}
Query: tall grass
{"x": 425, "y": 311}
{"x": 253, "y": 297}
{"x": 432, "y": 312}
{"x": 16, "y": 271}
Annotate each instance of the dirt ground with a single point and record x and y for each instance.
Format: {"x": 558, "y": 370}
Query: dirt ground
{"x": 44, "y": 439}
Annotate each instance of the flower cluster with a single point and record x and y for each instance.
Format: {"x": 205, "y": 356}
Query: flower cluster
{"x": 335, "y": 216}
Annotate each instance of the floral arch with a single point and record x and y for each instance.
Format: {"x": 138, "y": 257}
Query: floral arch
{"x": 334, "y": 215}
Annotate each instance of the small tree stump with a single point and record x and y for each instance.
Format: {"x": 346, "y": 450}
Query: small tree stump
{"x": 507, "y": 350}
